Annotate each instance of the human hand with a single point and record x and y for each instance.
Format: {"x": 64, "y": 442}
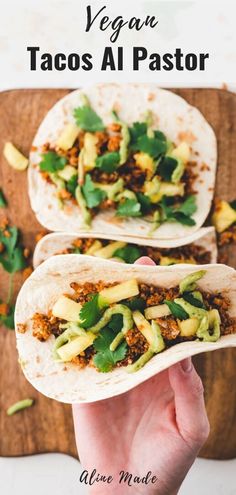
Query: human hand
{"x": 158, "y": 426}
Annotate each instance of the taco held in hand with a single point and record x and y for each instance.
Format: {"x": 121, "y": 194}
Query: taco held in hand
{"x": 133, "y": 159}
{"x": 92, "y": 331}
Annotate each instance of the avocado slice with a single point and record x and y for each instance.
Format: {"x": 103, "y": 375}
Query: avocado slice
{"x": 192, "y": 311}
{"x": 120, "y": 309}
{"x": 223, "y": 217}
{"x": 112, "y": 190}
{"x": 153, "y": 335}
{"x": 188, "y": 283}
{"x": 83, "y": 207}
{"x": 71, "y": 343}
{"x": 209, "y": 329}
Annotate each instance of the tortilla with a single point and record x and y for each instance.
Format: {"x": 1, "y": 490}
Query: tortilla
{"x": 52, "y": 244}
{"x": 172, "y": 115}
{"x": 66, "y": 383}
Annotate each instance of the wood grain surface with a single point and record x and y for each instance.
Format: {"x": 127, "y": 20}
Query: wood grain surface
{"x": 47, "y": 426}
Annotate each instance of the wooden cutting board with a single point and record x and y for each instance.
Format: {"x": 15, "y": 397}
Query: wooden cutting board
{"x": 47, "y": 426}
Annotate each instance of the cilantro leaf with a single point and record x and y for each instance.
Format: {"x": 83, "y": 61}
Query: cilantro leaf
{"x": 177, "y": 310}
{"x": 166, "y": 167}
{"x": 72, "y": 184}
{"x": 76, "y": 250}
{"x": 116, "y": 323}
{"x": 8, "y": 320}
{"x": 152, "y": 146}
{"x": 105, "y": 359}
{"x": 90, "y": 313}
{"x": 3, "y": 202}
{"x": 135, "y": 303}
{"x": 183, "y": 219}
{"x": 87, "y": 119}
{"x": 108, "y": 162}
{"x": 193, "y": 300}
{"x": 145, "y": 202}
{"x": 12, "y": 258}
{"x": 128, "y": 253}
{"x": 137, "y": 130}
{"x": 52, "y": 162}
{"x": 189, "y": 206}
{"x": 92, "y": 194}
{"x": 233, "y": 204}
{"x": 160, "y": 135}
{"x": 129, "y": 208}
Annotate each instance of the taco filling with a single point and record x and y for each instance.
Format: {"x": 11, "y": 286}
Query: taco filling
{"x": 128, "y": 253}
{"x": 134, "y": 170}
{"x": 126, "y": 324}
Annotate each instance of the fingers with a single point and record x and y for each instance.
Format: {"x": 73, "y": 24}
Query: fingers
{"x": 144, "y": 260}
{"x": 191, "y": 414}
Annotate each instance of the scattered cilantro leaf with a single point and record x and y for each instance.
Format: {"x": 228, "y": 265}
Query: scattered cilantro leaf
{"x": 136, "y": 303}
{"x": 182, "y": 213}
{"x": 116, "y": 323}
{"x": 128, "y": 253}
{"x": 129, "y": 208}
{"x": 76, "y": 250}
{"x": 193, "y": 300}
{"x": 108, "y": 162}
{"x": 92, "y": 194}
{"x": 3, "y": 202}
{"x": 87, "y": 119}
{"x": 105, "y": 359}
{"x": 72, "y": 184}
{"x": 145, "y": 203}
{"x": 233, "y": 204}
{"x": 90, "y": 313}
{"x": 166, "y": 167}
{"x": 137, "y": 130}
{"x": 177, "y": 310}
{"x": 8, "y": 320}
{"x": 152, "y": 146}
{"x": 183, "y": 219}
{"x": 52, "y": 162}
{"x": 160, "y": 135}
{"x": 189, "y": 206}
{"x": 12, "y": 258}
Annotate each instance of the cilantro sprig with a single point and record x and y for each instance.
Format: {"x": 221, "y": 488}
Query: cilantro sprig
{"x": 108, "y": 163}
{"x": 87, "y": 119}
{"x": 72, "y": 184}
{"x": 166, "y": 167}
{"x": 90, "y": 313}
{"x": 52, "y": 162}
{"x": 92, "y": 194}
{"x": 129, "y": 208}
{"x": 8, "y": 320}
{"x": 128, "y": 253}
{"x": 105, "y": 359}
{"x": 3, "y": 201}
{"x": 150, "y": 145}
{"x": 182, "y": 213}
{"x": 177, "y": 310}
{"x": 12, "y": 258}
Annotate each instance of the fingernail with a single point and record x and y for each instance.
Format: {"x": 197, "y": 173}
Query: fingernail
{"x": 144, "y": 260}
{"x": 186, "y": 365}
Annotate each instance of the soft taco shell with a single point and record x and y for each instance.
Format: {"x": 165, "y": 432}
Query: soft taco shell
{"x": 66, "y": 383}
{"x": 172, "y": 115}
{"x": 51, "y": 244}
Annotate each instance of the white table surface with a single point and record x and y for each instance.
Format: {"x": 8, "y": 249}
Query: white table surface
{"x": 51, "y": 25}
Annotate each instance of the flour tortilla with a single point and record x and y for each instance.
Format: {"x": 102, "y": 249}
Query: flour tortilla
{"x": 172, "y": 115}
{"x": 67, "y": 383}
{"x": 52, "y": 244}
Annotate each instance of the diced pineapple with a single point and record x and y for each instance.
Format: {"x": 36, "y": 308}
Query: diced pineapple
{"x": 119, "y": 292}
{"x": 95, "y": 246}
{"x": 182, "y": 152}
{"x": 68, "y": 137}
{"x": 14, "y": 157}
{"x": 73, "y": 348}
{"x": 89, "y": 151}
{"x": 223, "y": 217}
{"x": 152, "y": 188}
{"x": 66, "y": 309}
{"x": 145, "y": 162}
{"x": 169, "y": 189}
{"x": 108, "y": 251}
{"x": 67, "y": 173}
{"x": 188, "y": 327}
{"x": 143, "y": 326}
{"x": 158, "y": 311}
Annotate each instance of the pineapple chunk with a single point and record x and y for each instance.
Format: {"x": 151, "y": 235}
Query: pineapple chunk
{"x": 223, "y": 217}
{"x": 68, "y": 137}
{"x": 14, "y": 157}
{"x": 188, "y": 327}
{"x": 66, "y": 309}
{"x": 157, "y": 311}
{"x": 95, "y": 246}
{"x": 67, "y": 173}
{"x": 73, "y": 348}
{"x": 169, "y": 189}
{"x": 89, "y": 151}
{"x": 108, "y": 251}
{"x": 182, "y": 152}
{"x": 145, "y": 162}
{"x": 144, "y": 326}
{"x": 119, "y": 292}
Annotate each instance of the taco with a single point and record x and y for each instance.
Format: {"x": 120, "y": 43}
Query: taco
{"x": 124, "y": 250}
{"x": 132, "y": 158}
{"x": 88, "y": 330}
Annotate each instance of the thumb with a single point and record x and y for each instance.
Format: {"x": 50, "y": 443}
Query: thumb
{"x": 144, "y": 260}
{"x": 191, "y": 416}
